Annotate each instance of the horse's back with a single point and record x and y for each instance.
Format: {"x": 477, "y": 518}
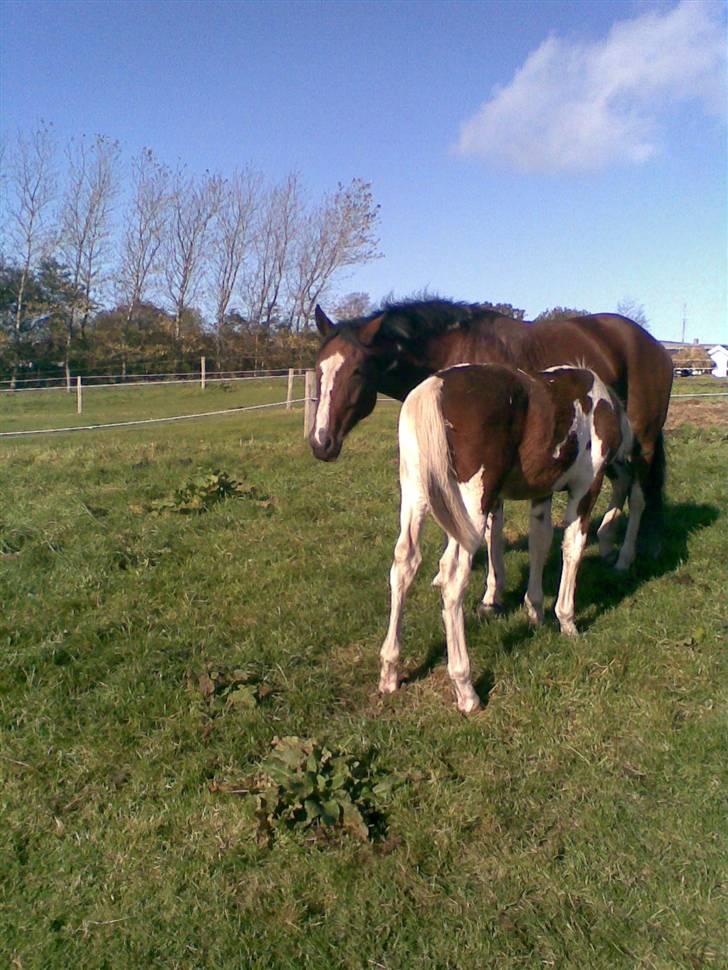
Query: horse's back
{"x": 643, "y": 366}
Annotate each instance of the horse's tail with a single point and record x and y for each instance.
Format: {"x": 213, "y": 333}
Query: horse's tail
{"x": 423, "y": 420}
{"x": 653, "y": 486}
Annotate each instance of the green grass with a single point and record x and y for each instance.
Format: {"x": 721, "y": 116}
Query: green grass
{"x": 56, "y": 408}
{"x": 699, "y": 385}
{"x": 577, "y": 821}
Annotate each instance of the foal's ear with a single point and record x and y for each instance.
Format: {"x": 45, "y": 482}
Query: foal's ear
{"x": 368, "y": 332}
{"x": 325, "y": 326}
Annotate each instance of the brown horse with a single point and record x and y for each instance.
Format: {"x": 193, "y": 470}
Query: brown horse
{"x": 394, "y": 349}
{"x": 474, "y": 434}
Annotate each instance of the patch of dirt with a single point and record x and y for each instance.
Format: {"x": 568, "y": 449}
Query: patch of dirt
{"x": 701, "y": 413}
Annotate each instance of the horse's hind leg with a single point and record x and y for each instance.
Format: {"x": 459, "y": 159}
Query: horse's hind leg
{"x": 629, "y": 546}
{"x": 492, "y": 603}
{"x": 407, "y": 558}
{"x": 620, "y": 474}
{"x": 454, "y": 573}
{"x": 540, "y": 537}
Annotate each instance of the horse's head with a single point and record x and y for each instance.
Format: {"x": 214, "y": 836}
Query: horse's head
{"x": 346, "y": 382}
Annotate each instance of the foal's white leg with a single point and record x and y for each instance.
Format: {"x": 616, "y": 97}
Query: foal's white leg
{"x": 607, "y": 530}
{"x": 495, "y": 580}
{"x": 629, "y": 546}
{"x": 575, "y": 536}
{"x": 540, "y": 537}
{"x": 454, "y": 573}
{"x": 407, "y": 558}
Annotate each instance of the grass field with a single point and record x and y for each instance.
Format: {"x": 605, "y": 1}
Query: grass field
{"x": 577, "y": 821}
{"x": 56, "y": 408}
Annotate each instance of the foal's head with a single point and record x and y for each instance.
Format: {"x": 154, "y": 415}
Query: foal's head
{"x": 346, "y": 382}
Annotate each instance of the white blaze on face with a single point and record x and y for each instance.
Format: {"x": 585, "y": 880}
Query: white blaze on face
{"x": 329, "y": 369}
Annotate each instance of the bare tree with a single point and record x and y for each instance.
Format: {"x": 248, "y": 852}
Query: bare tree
{"x": 634, "y": 310}
{"x": 352, "y": 306}
{"x": 85, "y": 225}
{"x": 193, "y": 204}
{"x": 231, "y": 237}
{"x": 143, "y": 232}
{"x": 339, "y": 232}
{"x": 33, "y": 182}
{"x": 278, "y": 225}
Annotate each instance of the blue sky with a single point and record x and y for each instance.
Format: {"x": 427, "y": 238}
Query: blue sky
{"x": 535, "y": 153}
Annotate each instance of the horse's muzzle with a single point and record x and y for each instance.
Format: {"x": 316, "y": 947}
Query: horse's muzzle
{"x": 326, "y": 448}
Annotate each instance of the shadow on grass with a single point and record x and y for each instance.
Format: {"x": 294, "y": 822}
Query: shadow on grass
{"x": 436, "y": 656}
{"x": 600, "y": 585}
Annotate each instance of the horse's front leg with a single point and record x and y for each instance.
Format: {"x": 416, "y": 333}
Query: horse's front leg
{"x": 540, "y": 537}
{"x": 578, "y": 512}
{"x": 492, "y": 602}
{"x": 407, "y": 558}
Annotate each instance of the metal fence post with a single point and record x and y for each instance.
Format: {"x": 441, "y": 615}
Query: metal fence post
{"x": 289, "y": 394}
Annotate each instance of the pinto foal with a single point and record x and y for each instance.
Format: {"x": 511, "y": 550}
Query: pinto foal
{"x": 472, "y": 435}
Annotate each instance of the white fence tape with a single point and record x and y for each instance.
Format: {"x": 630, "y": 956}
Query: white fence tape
{"x": 128, "y": 424}
{"x": 207, "y": 414}
{"x": 162, "y": 383}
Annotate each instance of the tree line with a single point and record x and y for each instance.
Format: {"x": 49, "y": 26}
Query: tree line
{"x": 132, "y": 268}
{"x": 143, "y": 267}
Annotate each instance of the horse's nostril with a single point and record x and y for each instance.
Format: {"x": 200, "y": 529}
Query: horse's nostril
{"x": 322, "y": 445}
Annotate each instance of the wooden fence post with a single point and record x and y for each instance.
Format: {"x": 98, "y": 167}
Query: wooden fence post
{"x": 202, "y": 373}
{"x": 309, "y": 407}
{"x": 79, "y": 395}
{"x": 289, "y": 395}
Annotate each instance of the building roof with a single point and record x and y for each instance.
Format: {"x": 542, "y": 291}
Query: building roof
{"x": 693, "y": 356}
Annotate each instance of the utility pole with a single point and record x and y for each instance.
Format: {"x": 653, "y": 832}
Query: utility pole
{"x": 684, "y": 320}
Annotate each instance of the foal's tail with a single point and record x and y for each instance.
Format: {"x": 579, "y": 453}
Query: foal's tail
{"x": 422, "y": 418}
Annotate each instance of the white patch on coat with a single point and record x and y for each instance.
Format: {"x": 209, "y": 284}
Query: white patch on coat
{"x": 329, "y": 369}
{"x": 588, "y": 460}
{"x": 472, "y": 493}
{"x": 578, "y": 413}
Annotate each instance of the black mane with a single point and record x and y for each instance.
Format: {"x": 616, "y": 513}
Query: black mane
{"x": 413, "y": 320}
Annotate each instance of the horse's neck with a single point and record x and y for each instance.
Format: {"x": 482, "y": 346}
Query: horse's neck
{"x": 401, "y": 376}
{"x": 499, "y": 342}
{"x": 493, "y": 342}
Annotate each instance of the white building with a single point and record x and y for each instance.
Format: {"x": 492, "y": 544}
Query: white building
{"x": 719, "y": 356}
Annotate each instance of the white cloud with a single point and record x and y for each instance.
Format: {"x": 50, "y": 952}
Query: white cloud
{"x": 585, "y": 106}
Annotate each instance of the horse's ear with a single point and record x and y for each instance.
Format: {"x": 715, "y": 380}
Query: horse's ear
{"x": 368, "y": 332}
{"x": 325, "y": 326}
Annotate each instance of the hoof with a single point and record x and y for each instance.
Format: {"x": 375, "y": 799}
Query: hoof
{"x": 534, "y": 616}
{"x": 470, "y": 706}
{"x": 568, "y": 629}
{"x": 486, "y": 613}
{"x": 389, "y": 682}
